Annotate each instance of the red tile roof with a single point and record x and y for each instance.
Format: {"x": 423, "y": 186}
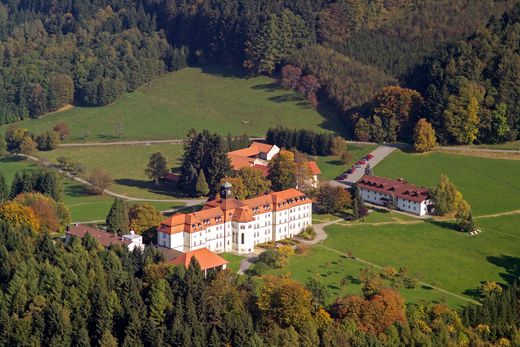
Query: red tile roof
{"x": 104, "y": 238}
{"x": 313, "y": 167}
{"x": 245, "y": 157}
{"x": 206, "y": 258}
{"x": 219, "y": 211}
{"x": 399, "y": 188}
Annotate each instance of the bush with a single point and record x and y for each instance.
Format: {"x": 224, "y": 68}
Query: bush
{"x": 270, "y": 257}
{"x": 301, "y": 249}
{"x": 308, "y": 233}
{"x": 258, "y": 269}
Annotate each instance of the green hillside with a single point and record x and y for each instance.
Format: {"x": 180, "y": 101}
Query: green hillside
{"x": 200, "y": 98}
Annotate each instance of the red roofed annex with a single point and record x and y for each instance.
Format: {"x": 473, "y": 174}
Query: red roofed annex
{"x": 231, "y": 225}
{"x": 406, "y": 197}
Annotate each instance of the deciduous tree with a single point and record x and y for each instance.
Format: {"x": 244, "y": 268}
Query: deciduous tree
{"x": 157, "y": 167}
{"x": 143, "y": 217}
{"x": 100, "y": 180}
{"x": 424, "y": 136}
{"x": 282, "y": 171}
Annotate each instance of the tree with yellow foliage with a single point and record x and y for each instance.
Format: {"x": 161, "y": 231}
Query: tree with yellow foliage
{"x": 424, "y": 136}
{"x": 19, "y": 216}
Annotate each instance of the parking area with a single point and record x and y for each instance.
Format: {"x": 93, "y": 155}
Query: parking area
{"x": 354, "y": 174}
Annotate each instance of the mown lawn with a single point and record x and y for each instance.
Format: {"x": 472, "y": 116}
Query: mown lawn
{"x": 452, "y": 260}
{"x": 331, "y": 166}
{"x": 202, "y": 98}
{"x": 489, "y": 185}
{"x": 234, "y": 261}
{"x": 126, "y": 165}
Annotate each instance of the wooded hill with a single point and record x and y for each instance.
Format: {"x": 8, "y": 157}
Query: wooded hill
{"x": 90, "y": 52}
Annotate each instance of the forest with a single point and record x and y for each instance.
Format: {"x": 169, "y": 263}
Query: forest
{"x": 58, "y": 294}
{"x": 459, "y": 57}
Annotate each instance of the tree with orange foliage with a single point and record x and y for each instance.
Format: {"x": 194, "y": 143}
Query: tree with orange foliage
{"x": 52, "y": 216}
{"x": 398, "y": 108}
{"x": 372, "y": 315}
{"x": 19, "y": 216}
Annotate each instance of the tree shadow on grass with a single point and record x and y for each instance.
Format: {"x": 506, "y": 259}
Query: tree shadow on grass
{"x": 510, "y": 264}
{"x": 289, "y": 98}
{"x": 443, "y": 224}
{"x": 78, "y": 191}
{"x": 148, "y": 186}
{"x": 11, "y": 159}
{"x": 268, "y": 87}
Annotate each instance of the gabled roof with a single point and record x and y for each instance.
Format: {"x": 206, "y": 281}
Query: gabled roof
{"x": 206, "y": 258}
{"x": 103, "y": 237}
{"x": 399, "y": 188}
{"x": 245, "y": 157}
{"x": 313, "y": 167}
{"x": 243, "y": 215}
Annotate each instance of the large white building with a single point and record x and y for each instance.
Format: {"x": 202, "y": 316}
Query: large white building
{"x": 231, "y": 225}
{"x": 407, "y": 197}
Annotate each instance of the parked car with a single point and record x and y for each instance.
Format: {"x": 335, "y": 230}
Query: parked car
{"x": 369, "y": 156}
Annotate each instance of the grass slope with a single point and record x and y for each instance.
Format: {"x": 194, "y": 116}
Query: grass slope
{"x": 83, "y": 206}
{"x": 452, "y": 260}
{"x": 489, "y": 185}
{"x": 126, "y": 165}
{"x": 201, "y": 98}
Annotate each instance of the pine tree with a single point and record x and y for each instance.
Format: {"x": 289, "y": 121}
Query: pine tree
{"x": 201, "y": 187}
{"x": 117, "y": 219}
{"x": 4, "y": 189}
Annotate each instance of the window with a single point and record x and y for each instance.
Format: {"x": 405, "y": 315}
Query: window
{"x": 242, "y": 235}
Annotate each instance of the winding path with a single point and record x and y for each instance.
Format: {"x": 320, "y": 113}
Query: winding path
{"x": 186, "y": 202}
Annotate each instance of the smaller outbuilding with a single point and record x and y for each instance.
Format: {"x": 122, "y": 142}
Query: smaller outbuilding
{"x": 397, "y": 193}
{"x": 106, "y": 239}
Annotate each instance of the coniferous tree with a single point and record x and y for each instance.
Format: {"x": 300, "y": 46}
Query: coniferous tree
{"x": 4, "y": 189}
{"x": 201, "y": 187}
{"x": 117, "y": 219}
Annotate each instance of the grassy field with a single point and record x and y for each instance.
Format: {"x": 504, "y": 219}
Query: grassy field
{"x": 331, "y": 166}
{"x": 83, "y": 206}
{"x": 511, "y": 145}
{"x": 207, "y": 98}
{"x": 126, "y": 165}
{"x": 452, "y": 260}
{"x": 234, "y": 261}
{"x": 489, "y": 185}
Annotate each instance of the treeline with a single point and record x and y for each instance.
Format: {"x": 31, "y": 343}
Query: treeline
{"x": 472, "y": 90}
{"x": 87, "y": 52}
{"x": 306, "y": 141}
{"x": 80, "y": 294}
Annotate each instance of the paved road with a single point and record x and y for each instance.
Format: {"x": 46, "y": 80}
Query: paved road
{"x": 137, "y": 142}
{"x": 379, "y": 154}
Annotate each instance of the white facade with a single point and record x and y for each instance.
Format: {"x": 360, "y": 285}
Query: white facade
{"x": 135, "y": 241}
{"x": 419, "y": 208}
{"x": 268, "y": 222}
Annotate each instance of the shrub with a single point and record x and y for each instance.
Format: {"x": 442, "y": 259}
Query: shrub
{"x": 308, "y": 233}
{"x": 301, "y": 249}
{"x": 258, "y": 269}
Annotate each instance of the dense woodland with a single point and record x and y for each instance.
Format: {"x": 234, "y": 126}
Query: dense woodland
{"x": 79, "y": 294}
{"x": 460, "y": 56}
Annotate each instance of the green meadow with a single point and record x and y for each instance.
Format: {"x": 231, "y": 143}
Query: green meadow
{"x": 83, "y": 206}
{"x": 202, "y": 98}
{"x": 489, "y": 185}
{"x": 126, "y": 165}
